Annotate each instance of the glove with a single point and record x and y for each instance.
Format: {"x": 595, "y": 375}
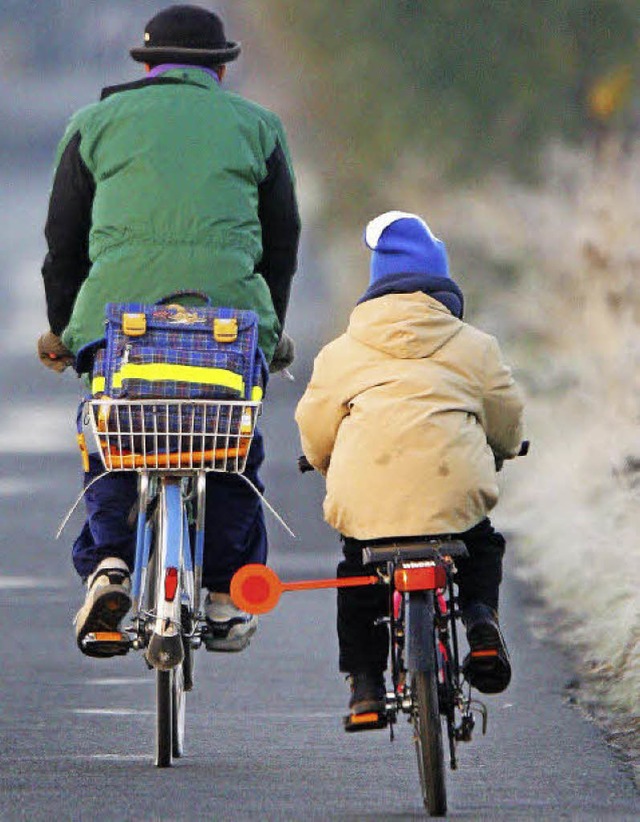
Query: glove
{"x": 53, "y": 353}
{"x": 283, "y": 355}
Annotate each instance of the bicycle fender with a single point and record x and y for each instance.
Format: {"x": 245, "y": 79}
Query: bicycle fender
{"x": 420, "y": 653}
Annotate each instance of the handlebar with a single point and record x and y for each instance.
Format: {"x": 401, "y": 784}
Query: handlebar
{"x": 304, "y": 465}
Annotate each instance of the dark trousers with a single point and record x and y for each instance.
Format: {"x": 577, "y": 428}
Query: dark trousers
{"x": 235, "y": 532}
{"x": 364, "y": 646}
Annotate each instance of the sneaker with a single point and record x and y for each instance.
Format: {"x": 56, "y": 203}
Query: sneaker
{"x": 486, "y": 667}
{"x": 106, "y": 603}
{"x": 230, "y": 629}
{"x": 368, "y": 693}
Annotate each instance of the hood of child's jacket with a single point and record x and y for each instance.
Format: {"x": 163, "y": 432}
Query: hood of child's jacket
{"x": 407, "y": 326}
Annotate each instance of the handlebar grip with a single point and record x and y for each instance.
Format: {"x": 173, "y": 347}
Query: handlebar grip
{"x": 304, "y": 465}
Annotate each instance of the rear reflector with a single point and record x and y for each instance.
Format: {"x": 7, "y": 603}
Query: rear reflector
{"x": 170, "y": 584}
{"x": 420, "y": 577}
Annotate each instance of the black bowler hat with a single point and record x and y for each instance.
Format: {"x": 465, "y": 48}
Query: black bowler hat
{"x": 186, "y": 34}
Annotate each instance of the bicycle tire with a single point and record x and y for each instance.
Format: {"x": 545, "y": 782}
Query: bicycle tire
{"x": 164, "y": 718}
{"x": 428, "y": 740}
{"x": 169, "y": 684}
{"x": 427, "y": 723}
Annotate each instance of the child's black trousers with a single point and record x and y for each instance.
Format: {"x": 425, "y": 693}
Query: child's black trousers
{"x": 364, "y": 646}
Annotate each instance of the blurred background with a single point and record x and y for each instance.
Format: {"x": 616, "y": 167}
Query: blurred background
{"x": 513, "y": 129}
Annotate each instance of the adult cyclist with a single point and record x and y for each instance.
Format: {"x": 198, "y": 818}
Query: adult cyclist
{"x": 171, "y": 183}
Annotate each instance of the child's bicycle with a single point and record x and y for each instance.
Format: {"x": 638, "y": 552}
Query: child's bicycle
{"x": 423, "y": 617}
{"x": 427, "y": 681}
{"x": 425, "y": 666}
{"x": 172, "y": 444}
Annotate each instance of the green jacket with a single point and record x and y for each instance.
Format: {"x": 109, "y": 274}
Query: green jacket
{"x": 168, "y": 184}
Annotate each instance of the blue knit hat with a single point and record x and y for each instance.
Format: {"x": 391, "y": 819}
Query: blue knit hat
{"x": 404, "y": 244}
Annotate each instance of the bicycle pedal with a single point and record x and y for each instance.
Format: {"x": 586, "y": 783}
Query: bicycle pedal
{"x": 105, "y": 643}
{"x": 372, "y": 721}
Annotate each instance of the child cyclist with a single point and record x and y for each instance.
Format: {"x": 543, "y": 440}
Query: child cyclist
{"x": 407, "y": 414}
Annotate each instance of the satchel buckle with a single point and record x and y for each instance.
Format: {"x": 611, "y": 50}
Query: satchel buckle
{"x": 225, "y": 329}
{"x": 134, "y": 325}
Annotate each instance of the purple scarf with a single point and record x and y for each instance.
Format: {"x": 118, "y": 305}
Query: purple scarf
{"x": 157, "y": 70}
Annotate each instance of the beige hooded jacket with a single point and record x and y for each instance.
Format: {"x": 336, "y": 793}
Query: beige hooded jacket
{"x": 403, "y": 414}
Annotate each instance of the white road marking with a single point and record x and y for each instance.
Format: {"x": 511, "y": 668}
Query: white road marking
{"x": 12, "y": 583}
{"x": 111, "y": 712}
{"x": 118, "y": 681}
{"x": 45, "y": 428}
{"x": 19, "y": 487}
{"x": 114, "y": 757}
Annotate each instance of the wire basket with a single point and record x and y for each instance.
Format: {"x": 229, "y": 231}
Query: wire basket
{"x": 173, "y": 435}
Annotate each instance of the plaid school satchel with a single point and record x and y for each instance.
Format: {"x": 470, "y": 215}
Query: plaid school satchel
{"x": 171, "y": 351}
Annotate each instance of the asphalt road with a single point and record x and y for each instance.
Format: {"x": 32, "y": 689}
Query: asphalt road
{"x": 264, "y": 727}
{"x": 265, "y": 739}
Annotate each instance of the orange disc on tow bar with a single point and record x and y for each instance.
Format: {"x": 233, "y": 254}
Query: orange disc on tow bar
{"x": 255, "y": 589}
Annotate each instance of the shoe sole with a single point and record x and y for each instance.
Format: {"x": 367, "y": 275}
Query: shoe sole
{"x": 229, "y": 645}
{"x": 105, "y": 614}
{"x": 367, "y": 706}
{"x": 487, "y": 667}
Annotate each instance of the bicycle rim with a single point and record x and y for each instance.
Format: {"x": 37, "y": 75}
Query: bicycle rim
{"x": 178, "y": 712}
{"x": 428, "y": 739}
{"x": 183, "y": 673}
{"x": 164, "y": 718}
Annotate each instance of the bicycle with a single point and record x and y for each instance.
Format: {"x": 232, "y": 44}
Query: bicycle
{"x": 427, "y": 679}
{"x": 172, "y": 445}
{"x": 428, "y": 684}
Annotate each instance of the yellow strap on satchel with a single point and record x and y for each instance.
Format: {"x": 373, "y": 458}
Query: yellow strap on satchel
{"x": 161, "y": 371}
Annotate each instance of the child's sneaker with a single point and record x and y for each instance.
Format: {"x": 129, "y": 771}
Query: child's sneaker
{"x": 230, "y": 629}
{"x": 106, "y": 603}
{"x": 368, "y": 693}
{"x": 486, "y": 667}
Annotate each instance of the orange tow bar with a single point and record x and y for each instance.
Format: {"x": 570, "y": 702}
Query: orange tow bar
{"x": 257, "y": 589}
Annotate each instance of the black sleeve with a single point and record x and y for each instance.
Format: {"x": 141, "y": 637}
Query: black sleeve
{"x": 67, "y": 263}
{"x": 278, "y": 212}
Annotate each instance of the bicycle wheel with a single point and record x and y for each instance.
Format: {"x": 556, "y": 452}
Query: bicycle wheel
{"x": 164, "y": 718}
{"x": 427, "y": 724}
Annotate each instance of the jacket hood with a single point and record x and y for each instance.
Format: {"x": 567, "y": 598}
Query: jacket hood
{"x": 407, "y": 326}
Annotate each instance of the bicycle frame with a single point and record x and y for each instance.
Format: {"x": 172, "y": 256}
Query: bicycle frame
{"x": 174, "y": 585}
{"x": 424, "y": 635}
